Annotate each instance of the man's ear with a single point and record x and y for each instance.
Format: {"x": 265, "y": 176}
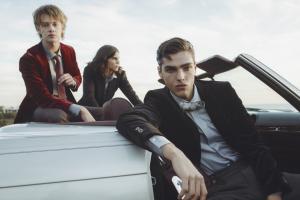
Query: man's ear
{"x": 62, "y": 34}
{"x": 159, "y": 71}
{"x": 160, "y": 75}
{"x": 39, "y": 33}
{"x": 38, "y": 30}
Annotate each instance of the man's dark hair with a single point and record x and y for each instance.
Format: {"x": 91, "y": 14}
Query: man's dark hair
{"x": 173, "y": 46}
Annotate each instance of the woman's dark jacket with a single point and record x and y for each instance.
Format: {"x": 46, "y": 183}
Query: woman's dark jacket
{"x": 94, "y": 93}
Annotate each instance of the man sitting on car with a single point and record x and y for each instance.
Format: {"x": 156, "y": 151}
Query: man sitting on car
{"x": 204, "y": 130}
{"x": 50, "y": 72}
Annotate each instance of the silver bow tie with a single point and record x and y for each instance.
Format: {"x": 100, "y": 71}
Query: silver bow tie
{"x": 191, "y": 106}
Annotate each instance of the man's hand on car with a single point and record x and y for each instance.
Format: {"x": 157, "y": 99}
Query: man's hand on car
{"x": 193, "y": 185}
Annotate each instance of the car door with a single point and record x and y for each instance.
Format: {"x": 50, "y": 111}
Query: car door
{"x": 277, "y": 123}
{"x": 281, "y": 132}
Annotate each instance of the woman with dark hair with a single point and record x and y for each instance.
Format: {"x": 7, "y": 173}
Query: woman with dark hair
{"x": 103, "y": 76}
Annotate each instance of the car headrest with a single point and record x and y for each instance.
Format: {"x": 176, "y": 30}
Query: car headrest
{"x": 113, "y": 108}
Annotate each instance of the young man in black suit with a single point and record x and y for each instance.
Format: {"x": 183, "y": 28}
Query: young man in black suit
{"x": 203, "y": 129}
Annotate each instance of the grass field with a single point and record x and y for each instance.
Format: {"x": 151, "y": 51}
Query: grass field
{"x": 4, "y": 122}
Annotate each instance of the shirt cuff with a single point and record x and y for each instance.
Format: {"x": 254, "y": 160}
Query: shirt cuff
{"x": 74, "y": 109}
{"x": 155, "y": 143}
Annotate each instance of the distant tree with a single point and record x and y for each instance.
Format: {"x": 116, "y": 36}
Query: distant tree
{"x": 7, "y": 116}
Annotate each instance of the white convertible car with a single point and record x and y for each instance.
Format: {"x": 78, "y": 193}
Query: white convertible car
{"x": 45, "y": 162}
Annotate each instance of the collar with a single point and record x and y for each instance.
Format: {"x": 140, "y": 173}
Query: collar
{"x": 110, "y": 78}
{"x": 195, "y": 98}
{"x": 50, "y": 54}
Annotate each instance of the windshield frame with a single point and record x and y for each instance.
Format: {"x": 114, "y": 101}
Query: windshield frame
{"x": 279, "y": 84}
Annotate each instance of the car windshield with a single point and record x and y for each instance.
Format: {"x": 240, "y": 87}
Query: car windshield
{"x": 255, "y": 94}
{"x": 274, "y": 74}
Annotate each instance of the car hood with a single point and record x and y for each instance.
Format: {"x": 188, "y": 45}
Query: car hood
{"x": 20, "y": 138}
{"x": 40, "y": 153}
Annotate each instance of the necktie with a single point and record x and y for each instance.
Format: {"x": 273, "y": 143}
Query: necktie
{"x": 59, "y": 71}
{"x": 191, "y": 106}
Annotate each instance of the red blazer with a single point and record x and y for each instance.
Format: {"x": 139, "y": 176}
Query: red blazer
{"x": 36, "y": 73}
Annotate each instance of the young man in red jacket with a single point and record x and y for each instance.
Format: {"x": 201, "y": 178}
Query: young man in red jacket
{"x": 50, "y": 72}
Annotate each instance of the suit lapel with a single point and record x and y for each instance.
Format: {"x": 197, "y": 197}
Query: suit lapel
{"x": 65, "y": 57}
{"x": 44, "y": 67}
{"x": 42, "y": 57}
{"x": 173, "y": 103}
{"x": 184, "y": 119}
{"x": 212, "y": 106}
{"x": 185, "y": 133}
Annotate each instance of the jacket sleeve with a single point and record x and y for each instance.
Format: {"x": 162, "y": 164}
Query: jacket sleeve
{"x": 75, "y": 72}
{"x": 127, "y": 89}
{"x": 141, "y": 123}
{"x": 89, "y": 92}
{"x": 247, "y": 141}
{"x": 36, "y": 87}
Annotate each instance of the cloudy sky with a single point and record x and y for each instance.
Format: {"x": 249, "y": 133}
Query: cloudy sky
{"x": 269, "y": 30}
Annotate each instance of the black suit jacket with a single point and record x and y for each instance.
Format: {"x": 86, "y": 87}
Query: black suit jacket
{"x": 93, "y": 88}
{"x": 161, "y": 115}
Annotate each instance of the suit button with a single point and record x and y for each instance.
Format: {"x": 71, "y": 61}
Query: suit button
{"x": 139, "y": 130}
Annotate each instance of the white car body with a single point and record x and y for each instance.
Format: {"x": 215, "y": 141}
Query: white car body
{"x": 40, "y": 161}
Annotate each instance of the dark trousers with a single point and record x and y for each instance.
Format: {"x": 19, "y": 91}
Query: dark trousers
{"x": 54, "y": 115}
{"x": 294, "y": 182}
{"x": 236, "y": 182}
{"x": 50, "y": 115}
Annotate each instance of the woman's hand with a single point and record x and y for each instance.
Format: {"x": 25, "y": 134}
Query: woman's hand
{"x": 120, "y": 71}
